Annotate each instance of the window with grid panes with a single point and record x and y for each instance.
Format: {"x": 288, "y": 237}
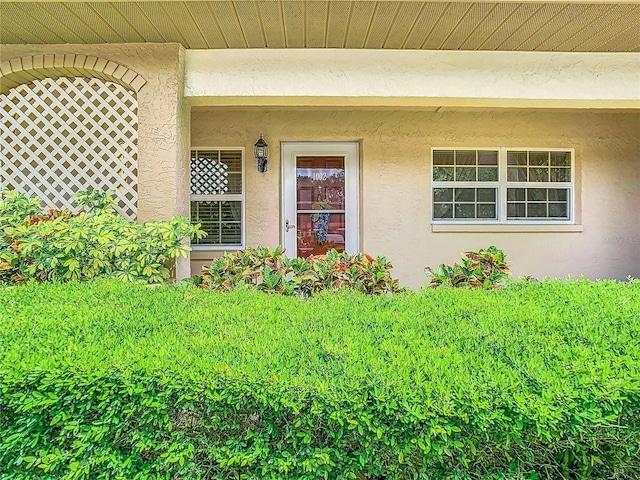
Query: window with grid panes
{"x": 502, "y": 185}
{"x": 217, "y": 196}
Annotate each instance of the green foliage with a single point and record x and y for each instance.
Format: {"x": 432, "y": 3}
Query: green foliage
{"x": 15, "y": 206}
{"x": 96, "y": 200}
{"x": 486, "y": 269}
{"x": 270, "y": 270}
{"x": 110, "y": 380}
{"x": 61, "y": 246}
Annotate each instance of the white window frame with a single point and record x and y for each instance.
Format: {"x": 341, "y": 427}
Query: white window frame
{"x": 217, "y": 198}
{"x": 502, "y": 184}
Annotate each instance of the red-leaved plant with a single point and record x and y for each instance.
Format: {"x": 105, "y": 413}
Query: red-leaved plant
{"x": 270, "y": 270}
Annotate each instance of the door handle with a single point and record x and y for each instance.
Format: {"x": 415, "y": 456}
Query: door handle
{"x": 288, "y": 226}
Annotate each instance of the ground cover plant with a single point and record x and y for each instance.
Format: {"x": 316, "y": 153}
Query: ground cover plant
{"x": 60, "y": 245}
{"x": 109, "y": 380}
{"x": 270, "y": 270}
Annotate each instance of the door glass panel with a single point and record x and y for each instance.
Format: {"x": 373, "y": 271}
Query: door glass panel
{"x": 320, "y": 232}
{"x": 320, "y": 201}
{"x": 320, "y": 179}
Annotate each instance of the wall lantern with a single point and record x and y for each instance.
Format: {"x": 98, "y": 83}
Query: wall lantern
{"x": 261, "y": 151}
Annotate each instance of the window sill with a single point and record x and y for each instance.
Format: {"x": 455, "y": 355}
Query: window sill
{"x": 503, "y": 228}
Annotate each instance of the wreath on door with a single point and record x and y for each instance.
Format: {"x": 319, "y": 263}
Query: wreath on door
{"x": 321, "y": 225}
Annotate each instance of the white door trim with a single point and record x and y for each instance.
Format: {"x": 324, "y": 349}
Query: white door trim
{"x": 350, "y": 151}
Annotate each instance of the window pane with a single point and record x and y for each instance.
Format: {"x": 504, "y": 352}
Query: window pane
{"x": 470, "y": 165}
{"x": 464, "y": 157}
{"x": 488, "y": 174}
{"x": 536, "y": 210}
{"x": 233, "y": 159}
{"x": 561, "y": 159}
{"x": 442, "y": 210}
{"x": 515, "y": 194}
{"x": 516, "y": 174}
{"x": 538, "y": 159}
{"x": 487, "y": 195}
{"x": 486, "y": 210}
{"x": 516, "y": 158}
{"x": 443, "y": 157}
{"x": 516, "y": 210}
{"x": 213, "y": 234}
{"x": 560, "y": 174}
{"x": 538, "y": 174}
{"x": 231, "y": 211}
{"x": 234, "y": 183}
{"x": 442, "y": 174}
{"x": 465, "y": 174}
{"x": 558, "y": 210}
{"x": 216, "y": 173}
{"x": 488, "y": 158}
{"x": 231, "y": 234}
{"x": 205, "y": 211}
{"x": 557, "y": 194}
{"x": 467, "y": 203}
{"x": 536, "y": 194}
{"x": 220, "y": 219}
{"x": 465, "y": 194}
{"x": 537, "y": 205}
{"x": 207, "y": 214}
{"x": 465, "y": 211}
{"x": 442, "y": 195}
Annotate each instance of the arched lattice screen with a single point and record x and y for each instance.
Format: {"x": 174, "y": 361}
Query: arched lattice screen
{"x": 60, "y": 136}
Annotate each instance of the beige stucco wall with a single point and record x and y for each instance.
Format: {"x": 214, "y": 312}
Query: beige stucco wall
{"x": 395, "y": 182}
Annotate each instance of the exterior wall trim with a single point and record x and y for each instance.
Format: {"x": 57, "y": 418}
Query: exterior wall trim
{"x": 18, "y": 71}
{"x": 503, "y": 228}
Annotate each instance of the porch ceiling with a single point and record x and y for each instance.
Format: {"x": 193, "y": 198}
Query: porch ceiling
{"x": 524, "y": 25}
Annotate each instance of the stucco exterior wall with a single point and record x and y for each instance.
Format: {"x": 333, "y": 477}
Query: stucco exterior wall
{"x": 394, "y": 155}
{"x": 395, "y": 182}
{"x": 163, "y": 118}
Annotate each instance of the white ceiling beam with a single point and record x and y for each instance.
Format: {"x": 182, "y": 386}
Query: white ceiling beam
{"x": 340, "y": 77}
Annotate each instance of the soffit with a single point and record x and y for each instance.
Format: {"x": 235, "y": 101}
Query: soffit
{"x": 510, "y": 26}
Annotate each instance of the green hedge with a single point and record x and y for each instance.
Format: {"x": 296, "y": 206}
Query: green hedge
{"x": 112, "y": 380}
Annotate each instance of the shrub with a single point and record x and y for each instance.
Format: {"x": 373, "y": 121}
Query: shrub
{"x": 270, "y": 270}
{"x": 111, "y": 380}
{"x": 62, "y": 246}
{"x": 486, "y": 268}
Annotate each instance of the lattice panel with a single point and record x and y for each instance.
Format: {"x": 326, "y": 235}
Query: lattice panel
{"x": 216, "y": 173}
{"x": 208, "y": 176}
{"x": 64, "y": 135}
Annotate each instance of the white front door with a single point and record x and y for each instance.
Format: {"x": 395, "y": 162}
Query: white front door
{"x": 320, "y": 198}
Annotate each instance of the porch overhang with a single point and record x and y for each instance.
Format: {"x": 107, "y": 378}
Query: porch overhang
{"x": 411, "y": 79}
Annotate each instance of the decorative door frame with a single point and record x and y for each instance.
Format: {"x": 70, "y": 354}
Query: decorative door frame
{"x": 351, "y": 153}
